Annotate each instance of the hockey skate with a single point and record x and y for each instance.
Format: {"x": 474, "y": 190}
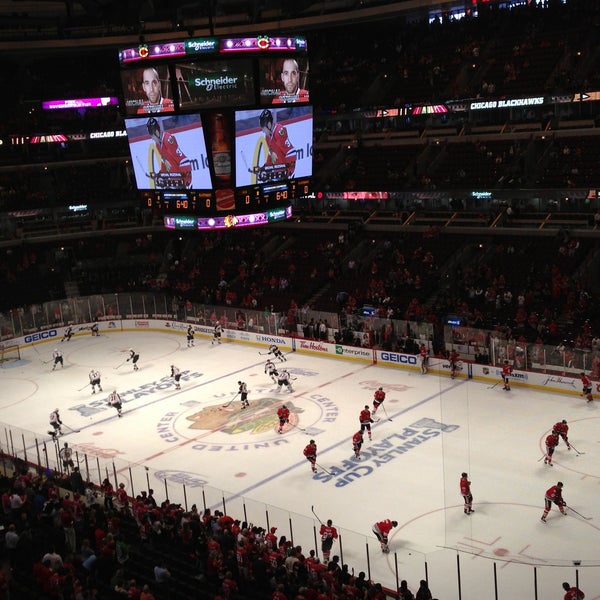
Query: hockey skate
{"x": 385, "y": 548}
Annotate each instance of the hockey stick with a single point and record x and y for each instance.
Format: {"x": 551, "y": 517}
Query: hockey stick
{"x": 300, "y": 428}
{"x": 578, "y": 513}
{"x": 71, "y": 429}
{"x": 314, "y": 513}
{"x": 578, "y": 453}
{"x": 491, "y": 387}
{"x": 385, "y": 412}
{"x": 323, "y": 469}
{"x": 83, "y": 388}
{"x": 119, "y": 366}
{"x": 264, "y": 353}
{"x": 540, "y": 458}
{"x": 228, "y": 403}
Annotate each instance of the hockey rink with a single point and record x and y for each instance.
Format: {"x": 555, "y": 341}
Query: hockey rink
{"x": 433, "y": 429}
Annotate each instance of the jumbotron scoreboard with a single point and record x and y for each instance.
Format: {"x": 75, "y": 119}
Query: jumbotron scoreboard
{"x": 220, "y": 129}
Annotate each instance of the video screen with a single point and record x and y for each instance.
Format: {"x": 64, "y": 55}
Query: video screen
{"x": 214, "y": 84}
{"x": 273, "y": 144}
{"x": 283, "y": 80}
{"x": 148, "y": 91}
{"x": 168, "y": 153}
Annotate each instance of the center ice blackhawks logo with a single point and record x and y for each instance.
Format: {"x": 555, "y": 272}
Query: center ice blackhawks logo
{"x": 259, "y": 417}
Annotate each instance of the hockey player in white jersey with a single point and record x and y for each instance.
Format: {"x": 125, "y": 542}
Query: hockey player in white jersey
{"x": 57, "y": 355}
{"x": 95, "y": 380}
{"x": 56, "y": 422}
{"x": 284, "y": 378}
{"x": 276, "y": 352}
{"x": 114, "y": 400}
{"x": 271, "y": 370}
{"x": 190, "y": 336}
{"x": 133, "y": 357}
{"x": 217, "y": 333}
{"x": 176, "y": 375}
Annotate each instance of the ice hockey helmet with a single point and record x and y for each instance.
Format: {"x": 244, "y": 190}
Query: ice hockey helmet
{"x": 266, "y": 116}
{"x": 153, "y": 126}
{"x": 463, "y": 474}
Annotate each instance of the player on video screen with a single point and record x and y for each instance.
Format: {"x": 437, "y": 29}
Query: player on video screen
{"x": 154, "y": 103}
{"x": 291, "y": 92}
{"x": 175, "y": 170}
{"x": 281, "y": 156}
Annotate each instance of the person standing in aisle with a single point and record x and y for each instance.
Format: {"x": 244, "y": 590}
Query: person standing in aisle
{"x": 190, "y": 336}
{"x": 243, "y": 392}
{"x": 328, "y": 535}
{"x": 176, "y": 375}
{"x": 95, "y": 380}
{"x": 365, "y": 420}
{"x": 133, "y": 357}
{"x": 310, "y": 453}
{"x": 465, "y": 490}
{"x": 114, "y": 400}
{"x": 554, "y": 495}
{"x": 58, "y": 358}
{"x": 551, "y": 443}
{"x": 382, "y": 529}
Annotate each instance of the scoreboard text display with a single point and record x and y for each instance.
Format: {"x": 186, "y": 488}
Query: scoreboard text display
{"x": 219, "y": 127}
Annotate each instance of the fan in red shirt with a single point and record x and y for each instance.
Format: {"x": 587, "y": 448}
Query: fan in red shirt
{"x": 357, "y": 442}
{"x": 562, "y": 429}
{"x": 365, "y": 420}
{"x": 283, "y": 414}
{"x": 554, "y": 494}
{"x": 382, "y": 529}
{"x": 586, "y": 384}
{"x": 551, "y": 443}
{"x": 465, "y": 490}
{"x": 506, "y": 373}
{"x": 573, "y": 593}
{"x": 328, "y": 535}
{"x": 378, "y": 399}
{"x": 310, "y": 452}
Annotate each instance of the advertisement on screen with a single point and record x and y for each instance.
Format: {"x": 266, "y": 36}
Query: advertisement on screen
{"x": 214, "y": 84}
{"x": 283, "y": 80}
{"x": 148, "y": 91}
{"x": 273, "y": 144}
{"x": 168, "y": 153}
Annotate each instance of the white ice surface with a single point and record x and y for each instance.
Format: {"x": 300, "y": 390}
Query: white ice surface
{"x": 408, "y": 473}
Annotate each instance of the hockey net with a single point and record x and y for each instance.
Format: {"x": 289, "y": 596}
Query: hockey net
{"x": 9, "y": 352}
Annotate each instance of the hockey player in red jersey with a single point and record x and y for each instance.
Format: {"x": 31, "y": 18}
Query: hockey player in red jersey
{"x": 562, "y": 429}
{"x": 453, "y": 360}
{"x": 365, "y": 420}
{"x": 465, "y": 490}
{"x": 586, "y": 387}
{"x": 310, "y": 452}
{"x": 283, "y": 414}
{"x": 506, "y": 373}
{"x": 328, "y": 535}
{"x": 382, "y": 529}
{"x": 281, "y": 155}
{"x": 357, "y": 442}
{"x": 551, "y": 443}
{"x": 424, "y": 357}
{"x": 175, "y": 171}
{"x": 554, "y": 494}
{"x": 378, "y": 399}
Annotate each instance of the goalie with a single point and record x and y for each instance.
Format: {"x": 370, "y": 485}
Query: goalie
{"x": 175, "y": 170}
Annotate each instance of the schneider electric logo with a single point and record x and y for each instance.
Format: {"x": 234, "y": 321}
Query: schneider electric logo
{"x": 224, "y": 82}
